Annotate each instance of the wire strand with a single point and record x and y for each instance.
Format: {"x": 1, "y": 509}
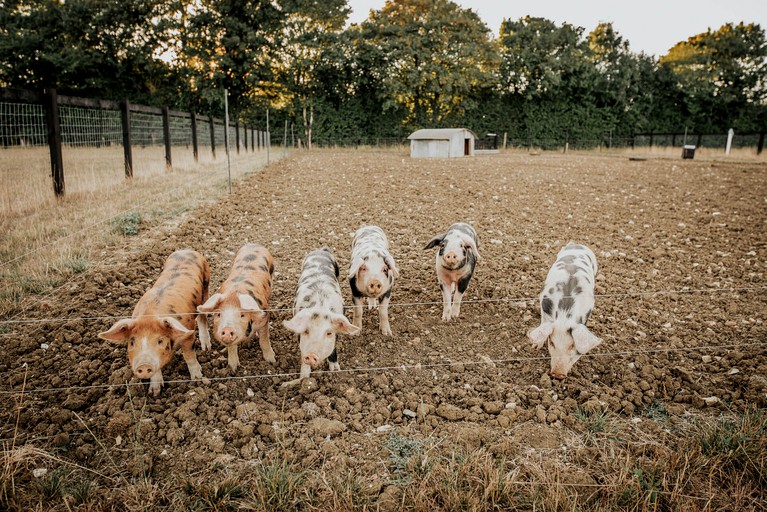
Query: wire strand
{"x": 400, "y": 367}
{"x": 402, "y": 304}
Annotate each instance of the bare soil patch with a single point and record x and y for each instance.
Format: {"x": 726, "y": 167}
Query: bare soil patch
{"x": 681, "y": 249}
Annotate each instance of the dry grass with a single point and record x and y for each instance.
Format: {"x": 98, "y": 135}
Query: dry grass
{"x": 702, "y": 464}
{"x": 43, "y": 241}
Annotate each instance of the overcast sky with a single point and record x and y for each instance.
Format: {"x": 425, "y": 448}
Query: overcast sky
{"x": 652, "y": 26}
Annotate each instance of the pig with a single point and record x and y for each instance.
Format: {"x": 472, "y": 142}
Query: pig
{"x": 458, "y": 255}
{"x": 371, "y": 275}
{"x": 318, "y": 312}
{"x": 238, "y": 309}
{"x": 164, "y": 318}
{"x": 567, "y": 300}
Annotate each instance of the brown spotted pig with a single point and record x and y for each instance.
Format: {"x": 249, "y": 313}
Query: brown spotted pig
{"x": 238, "y": 309}
{"x": 164, "y": 319}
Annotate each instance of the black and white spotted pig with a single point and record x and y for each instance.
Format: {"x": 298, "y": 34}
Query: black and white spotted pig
{"x": 318, "y": 312}
{"x": 456, "y": 259}
{"x": 566, "y": 303}
{"x": 371, "y": 274}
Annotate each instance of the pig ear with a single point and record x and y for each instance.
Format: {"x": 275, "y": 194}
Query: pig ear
{"x": 248, "y": 303}
{"x": 119, "y": 332}
{"x": 540, "y": 334}
{"x": 342, "y": 324}
{"x": 472, "y": 247}
{"x": 392, "y": 266}
{"x": 176, "y": 328}
{"x": 584, "y": 339}
{"x": 298, "y": 323}
{"x": 435, "y": 241}
{"x": 210, "y": 304}
{"x": 355, "y": 266}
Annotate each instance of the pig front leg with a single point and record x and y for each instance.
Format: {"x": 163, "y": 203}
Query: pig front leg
{"x": 202, "y": 328}
{"x": 155, "y": 383}
{"x": 306, "y": 370}
{"x": 383, "y": 316}
{"x": 266, "y": 346}
{"x": 446, "y": 301}
{"x": 333, "y": 361}
{"x": 233, "y": 357}
{"x": 357, "y": 311}
{"x": 463, "y": 284}
{"x": 190, "y": 357}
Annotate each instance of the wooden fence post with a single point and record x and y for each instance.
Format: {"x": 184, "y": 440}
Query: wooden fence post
{"x": 651, "y": 135}
{"x": 237, "y": 135}
{"x": 245, "y": 136}
{"x": 166, "y": 136}
{"x": 760, "y": 146}
{"x": 195, "y": 149}
{"x": 54, "y": 140}
{"x": 127, "y": 144}
{"x": 212, "y": 137}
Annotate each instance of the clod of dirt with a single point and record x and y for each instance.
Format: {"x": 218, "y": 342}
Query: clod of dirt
{"x": 326, "y": 427}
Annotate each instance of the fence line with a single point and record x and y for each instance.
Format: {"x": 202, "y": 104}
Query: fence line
{"x": 401, "y": 304}
{"x": 400, "y": 367}
{"x": 33, "y": 119}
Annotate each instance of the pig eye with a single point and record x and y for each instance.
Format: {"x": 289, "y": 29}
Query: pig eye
{"x": 386, "y": 271}
{"x": 363, "y": 268}
{"x": 161, "y": 342}
{"x": 131, "y": 342}
{"x": 306, "y": 332}
{"x": 216, "y": 315}
{"x": 242, "y": 315}
{"x": 551, "y": 343}
{"x": 329, "y": 334}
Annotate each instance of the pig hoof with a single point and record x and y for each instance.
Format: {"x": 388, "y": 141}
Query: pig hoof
{"x": 445, "y": 317}
{"x": 334, "y": 367}
{"x": 386, "y": 331}
{"x": 154, "y": 389}
{"x": 269, "y": 357}
{"x": 232, "y": 370}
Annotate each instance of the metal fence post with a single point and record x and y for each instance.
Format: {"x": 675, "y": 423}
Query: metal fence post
{"x": 245, "y": 136}
{"x": 127, "y": 144}
{"x": 760, "y": 146}
{"x": 54, "y": 140}
{"x": 166, "y": 136}
{"x": 195, "y": 149}
{"x": 237, "y": 135}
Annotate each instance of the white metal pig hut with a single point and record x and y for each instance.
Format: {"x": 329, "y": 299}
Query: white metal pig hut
{"x": 442, "y": 143}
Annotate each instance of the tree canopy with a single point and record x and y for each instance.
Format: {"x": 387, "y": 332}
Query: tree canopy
{"x": 411, "y": 64}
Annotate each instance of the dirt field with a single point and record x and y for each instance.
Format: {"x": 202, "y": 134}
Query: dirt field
{"x": 681, "y": 309}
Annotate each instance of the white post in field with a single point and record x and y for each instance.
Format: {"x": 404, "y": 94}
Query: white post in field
{"x": 730, "y": 134}
{"x": 226, "y": 138}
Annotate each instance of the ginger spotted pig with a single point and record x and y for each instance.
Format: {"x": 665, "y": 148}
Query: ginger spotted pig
{"x": 164, "y": 319}
{"x": 567, "y": 300}
{"x": 238, "y": 307}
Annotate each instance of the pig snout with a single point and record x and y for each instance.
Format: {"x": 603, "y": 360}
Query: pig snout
{"x": 451, "y": 258}
{"x": 374, "y": 287}
{"x": 226, "y": 334}
{"x": 311, "y": 359}
{"x": 558, "y": 374}
{"x": 143, "y": 371}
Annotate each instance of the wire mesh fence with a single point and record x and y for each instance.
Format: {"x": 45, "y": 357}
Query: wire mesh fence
{"x": 22, "y": 125}
{"x": 91, "y": 127}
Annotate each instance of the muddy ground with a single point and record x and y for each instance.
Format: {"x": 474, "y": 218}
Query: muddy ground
{"x": 673, "y": 239}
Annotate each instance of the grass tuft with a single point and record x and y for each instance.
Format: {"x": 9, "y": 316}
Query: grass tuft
{"x": 127, "y": 224}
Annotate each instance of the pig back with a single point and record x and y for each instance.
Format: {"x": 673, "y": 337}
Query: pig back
{"x": 318, "y": 284}
{"x": 180, "y": 288}
{"x": 251, "y": 274}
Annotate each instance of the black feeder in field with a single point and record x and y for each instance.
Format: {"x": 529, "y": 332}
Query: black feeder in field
{"x": 688, "y": 151}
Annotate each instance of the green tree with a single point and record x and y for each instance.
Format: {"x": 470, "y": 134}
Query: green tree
{"x": 722, "y": 74}
{"x": 106, "y": 49}
{"x": 433, "y": 56}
